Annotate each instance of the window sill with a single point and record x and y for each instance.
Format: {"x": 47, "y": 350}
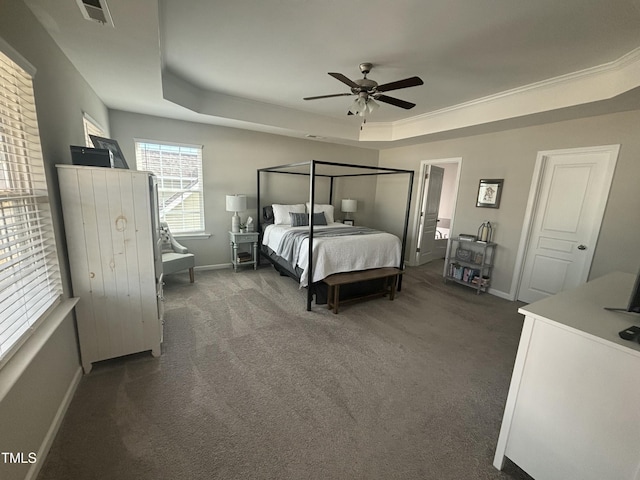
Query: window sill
{"x": 192, "y": 236}
{"x": 19, "y": 361}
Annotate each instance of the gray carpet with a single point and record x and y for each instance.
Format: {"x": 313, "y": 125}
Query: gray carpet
{"x": 252, "y": 386}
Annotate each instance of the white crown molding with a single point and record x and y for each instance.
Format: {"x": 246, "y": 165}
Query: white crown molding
{"x": 585, "y": 86}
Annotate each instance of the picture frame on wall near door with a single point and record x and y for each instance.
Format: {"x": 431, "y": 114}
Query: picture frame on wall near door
{"x": 489, "y": 193}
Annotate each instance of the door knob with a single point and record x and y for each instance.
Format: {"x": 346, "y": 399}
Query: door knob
{"x": 582, "y": 247}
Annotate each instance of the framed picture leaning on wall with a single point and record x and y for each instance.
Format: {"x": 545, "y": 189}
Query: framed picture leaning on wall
{"x": 113, "y": 147}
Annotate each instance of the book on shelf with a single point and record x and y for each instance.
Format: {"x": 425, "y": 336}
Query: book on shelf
{"x": 463, "y": 274}
{"x": 243, "y": 257}
{"x": 467, "y": 237}
{"x": 457, "y": 272}
{"x": 483, "y": 281}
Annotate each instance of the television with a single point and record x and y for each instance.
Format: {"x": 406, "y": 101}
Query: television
{"x": 91, "y": 157}
{"x": 634, "y": 299}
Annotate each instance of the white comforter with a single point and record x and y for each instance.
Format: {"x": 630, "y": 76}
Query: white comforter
{"x": 338, "y": 254}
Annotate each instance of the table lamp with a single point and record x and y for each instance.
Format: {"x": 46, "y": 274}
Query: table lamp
{"x": 236, "y": 203}
{"x": 349, "y": 206}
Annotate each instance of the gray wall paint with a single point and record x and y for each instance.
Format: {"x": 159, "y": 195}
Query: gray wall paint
{"x": 231, "y": 157}
{"x": 62, "y": 95}
{"x": 512, "y": 155}
{"x": 230, "y": 160}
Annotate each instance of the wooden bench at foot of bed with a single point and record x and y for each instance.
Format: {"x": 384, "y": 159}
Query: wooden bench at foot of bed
{"x": 389, "y": 274}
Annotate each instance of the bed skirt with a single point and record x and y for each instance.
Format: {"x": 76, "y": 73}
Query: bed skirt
{"x": 320, "y": 289}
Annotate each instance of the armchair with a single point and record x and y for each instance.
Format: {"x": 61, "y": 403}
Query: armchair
{"x": 175, "y": 257}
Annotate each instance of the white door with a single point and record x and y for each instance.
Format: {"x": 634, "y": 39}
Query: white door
{"x": 566, "y": 220}
{"x": 429, "y": 213}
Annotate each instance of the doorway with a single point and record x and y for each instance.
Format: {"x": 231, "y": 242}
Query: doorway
{"x": 433, "y": 221}
{"x": 566, "y": 204}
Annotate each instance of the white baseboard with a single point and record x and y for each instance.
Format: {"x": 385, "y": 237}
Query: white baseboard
{"x": 43, "y": 451}
{"x": 220, "y": 266}
{"x": 501, "y": 294}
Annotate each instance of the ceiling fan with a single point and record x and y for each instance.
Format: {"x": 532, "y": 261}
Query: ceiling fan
{"x": 368, "y": 90}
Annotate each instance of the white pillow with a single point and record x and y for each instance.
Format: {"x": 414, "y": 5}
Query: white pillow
{"x": 327, "y": 209}
{"x": 281, "y": 213}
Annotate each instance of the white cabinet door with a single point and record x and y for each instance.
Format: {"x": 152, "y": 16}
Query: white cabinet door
{"x": 575, "y": 414}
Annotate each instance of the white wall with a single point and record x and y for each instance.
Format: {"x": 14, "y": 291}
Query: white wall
{"x": 230, "y": 160}
{"x": 29, "y": 409}
{"x": 511, "y": 155}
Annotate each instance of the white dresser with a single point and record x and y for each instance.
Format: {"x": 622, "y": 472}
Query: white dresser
{"x": 113, "y": 242}
{"x": 573, "y": 406}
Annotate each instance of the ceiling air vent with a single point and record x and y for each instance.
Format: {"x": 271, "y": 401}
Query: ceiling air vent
{"x": 96, "y": 10}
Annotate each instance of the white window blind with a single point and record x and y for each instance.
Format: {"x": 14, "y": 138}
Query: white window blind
{"x": 178, "y": 169}
{"x": 29, "y": 274}
{"x": 91, "y": 127}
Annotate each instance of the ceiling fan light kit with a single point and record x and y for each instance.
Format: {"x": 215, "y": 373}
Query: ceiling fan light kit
{"x": 368, "y": 91}
{"x": 363, "y": 105}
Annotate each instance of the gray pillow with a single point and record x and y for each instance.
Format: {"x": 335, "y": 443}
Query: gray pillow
{"x": 299, "y": 219}
{"x": 319, "y": 219}
{"x": 267, "y": 215}
{"x": 302, "y": 219}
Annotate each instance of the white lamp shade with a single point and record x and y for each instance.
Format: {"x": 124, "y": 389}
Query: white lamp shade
{"x": 372, "y": 106}
{"x": 349, "y": 205}
{"x": 236, "y": 203}
{"x": 363, "y": 105}
{"x": 356, "y": 106}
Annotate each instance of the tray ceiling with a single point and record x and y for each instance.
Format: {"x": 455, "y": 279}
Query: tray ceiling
{"x": 248, "y": 64}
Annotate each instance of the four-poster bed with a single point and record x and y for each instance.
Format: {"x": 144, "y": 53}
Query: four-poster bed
{"x": 361, "y": 247}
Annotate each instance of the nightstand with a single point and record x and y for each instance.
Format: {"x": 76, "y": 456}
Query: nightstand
{"x": 241, "y": 258}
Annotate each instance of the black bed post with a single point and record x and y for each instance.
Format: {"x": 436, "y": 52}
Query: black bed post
{"x": 331, "y": 190}
{"x": 406, "y": 229}
{"x": 259, "y": 224}
{"x": 312, "y": 199}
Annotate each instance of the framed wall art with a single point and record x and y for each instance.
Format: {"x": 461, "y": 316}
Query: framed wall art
{"x": 113, "y": 147}
{"x": 489, "y": 192}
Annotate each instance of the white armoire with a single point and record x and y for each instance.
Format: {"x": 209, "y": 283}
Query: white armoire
{"x": 112, "y": 230}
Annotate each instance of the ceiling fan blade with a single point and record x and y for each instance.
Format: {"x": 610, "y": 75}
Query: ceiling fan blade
{"x": 406, "y": 83}
{"x": 328, "y": 96}
{"x": 345, "y": 80}
{"x": 395, "y": 101}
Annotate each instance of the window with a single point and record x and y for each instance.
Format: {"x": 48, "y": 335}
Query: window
{"x": 91, "y": 127}
{"x": 179, "y": 172}
{"x": 29, "y": 276}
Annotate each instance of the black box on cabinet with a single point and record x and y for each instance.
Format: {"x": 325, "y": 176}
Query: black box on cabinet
{"x": 91, "y": 157}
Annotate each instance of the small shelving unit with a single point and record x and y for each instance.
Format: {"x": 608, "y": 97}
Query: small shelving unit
{"x": 240, "y": 257}
{"x": 469, "y": 263}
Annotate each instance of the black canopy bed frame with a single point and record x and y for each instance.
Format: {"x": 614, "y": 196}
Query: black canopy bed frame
{"x": 313, "y": 173}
